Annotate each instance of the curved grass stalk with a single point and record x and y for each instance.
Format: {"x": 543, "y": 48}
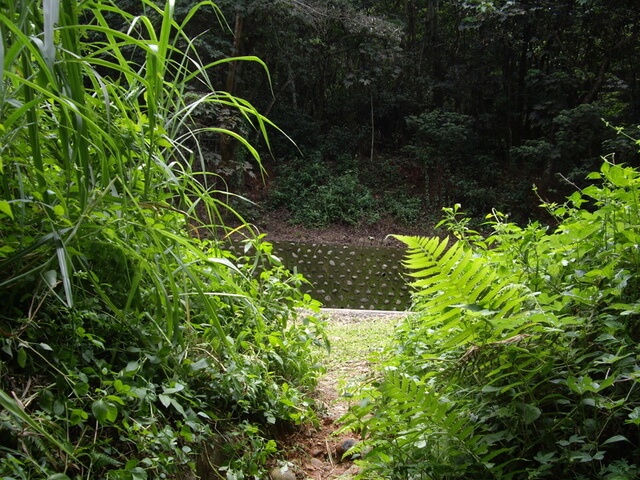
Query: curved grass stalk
{"x": 14, "y": 408}
{"x": 94, "y": 163}
{"x": 95, "y": 147}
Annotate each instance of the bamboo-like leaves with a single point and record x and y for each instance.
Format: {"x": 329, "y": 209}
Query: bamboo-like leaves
{"x": 98, "y": 201}
{"x": 100, "y": 153}
{"x": 51, "y": 13}
{"x": 98, "y": 149}
{"x": 1, "y": 71}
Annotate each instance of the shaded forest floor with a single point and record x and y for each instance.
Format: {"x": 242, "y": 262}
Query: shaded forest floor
{"x": 357, "y": 338}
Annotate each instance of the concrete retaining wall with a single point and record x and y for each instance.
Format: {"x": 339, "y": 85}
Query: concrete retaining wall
{"x": 349, "y": 276}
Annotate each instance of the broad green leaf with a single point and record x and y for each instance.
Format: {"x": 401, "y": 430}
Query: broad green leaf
{"x": 178, "y": 387}
{"x": 5, "y": 207}
{"x": 138, "y": 473}
{"x": 585, "y": 384}
{"x": 100, "y": 409}
{"x": 132, "y": 367}
{"x": 614, "y": 439}
{"x": 112, "y": 412}
{"x": 634, "y": 416}
{"x": 22, "y": 357}
{"x": 58, "y": 210}
{"x": 115, "y": 399}
{"x": 58, "y": 407}
{"x": 529, "y": 413}
{"x": 78, "y": 416}
{"x": 199, "y": 365}
{"x": 104, "y": 411}
{"x": 581, "y": 457}
{"x": 544, "y": 458}
{"x": 177, "y": 406}
{"x": 121, "y": 387}
{"x": 618, "y": 176}
{"x": 51, "y": 278}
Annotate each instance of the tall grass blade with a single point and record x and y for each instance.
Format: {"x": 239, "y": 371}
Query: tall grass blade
{"x": 12, "y": 406}
{"x": 1, "y": 72}
{"x": 51, "y": 11}
{"x": 64, "y": 269}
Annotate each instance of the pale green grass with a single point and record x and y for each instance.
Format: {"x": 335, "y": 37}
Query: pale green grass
{"x": 357, "y": 342}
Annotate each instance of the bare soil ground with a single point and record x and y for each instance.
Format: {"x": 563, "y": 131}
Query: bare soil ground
{"x": 278, "y": 228}
{"x": 356, "y": 335}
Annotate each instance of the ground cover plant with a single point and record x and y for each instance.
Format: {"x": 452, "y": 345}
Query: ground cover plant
{"x": 521, "y": 360}
{"x": 131, "y": 348}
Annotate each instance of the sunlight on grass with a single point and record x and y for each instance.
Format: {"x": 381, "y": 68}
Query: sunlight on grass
{"x": 356, "y": 344}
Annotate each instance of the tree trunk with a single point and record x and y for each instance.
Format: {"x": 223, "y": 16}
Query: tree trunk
{"x": 234, "y": 67}
{"x": 228, "y": 144}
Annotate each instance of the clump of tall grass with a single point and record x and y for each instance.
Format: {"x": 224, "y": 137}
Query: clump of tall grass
{"x": 126, "y": 341}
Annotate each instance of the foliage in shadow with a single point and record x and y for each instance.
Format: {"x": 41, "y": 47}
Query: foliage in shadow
{"x": 521, "y": 358}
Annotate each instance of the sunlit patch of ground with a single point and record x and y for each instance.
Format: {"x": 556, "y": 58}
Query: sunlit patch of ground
{"x": 357, "y": 337}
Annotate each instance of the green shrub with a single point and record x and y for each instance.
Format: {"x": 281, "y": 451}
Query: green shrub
{"x": 130, "y": 348}
{"x": 316, "y": 197}
{"x": 296, "y": 179}
{"x": 521, "y": 358}
{"x": 342, "y": 200}
{"x": 402, "y": 207}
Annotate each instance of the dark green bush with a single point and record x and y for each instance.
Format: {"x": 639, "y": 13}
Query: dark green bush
{"x": 342, "y": 200}
{"x": 316, "y": 196}
{"x": 403, "y": 207}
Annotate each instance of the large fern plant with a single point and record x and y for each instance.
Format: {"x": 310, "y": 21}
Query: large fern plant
{"x": 469, "y": 298}
{"x": 520, "y": 359}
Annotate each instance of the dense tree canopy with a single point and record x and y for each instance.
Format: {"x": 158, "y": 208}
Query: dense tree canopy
{"x": 442, "y": 101}
{"x": 530, "y": 81}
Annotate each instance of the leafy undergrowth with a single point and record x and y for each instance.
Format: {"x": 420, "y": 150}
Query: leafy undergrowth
{"x": 522, "y": 358}
{"x": 128, "y": 348}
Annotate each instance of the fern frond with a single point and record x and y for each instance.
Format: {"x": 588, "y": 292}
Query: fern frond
{"x": 455, "y": 285}
{"x": 101, "y": 459}
{"x": 432, "y": 424}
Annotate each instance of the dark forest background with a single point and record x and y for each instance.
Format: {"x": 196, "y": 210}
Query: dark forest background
{"x": 398, "y": 108}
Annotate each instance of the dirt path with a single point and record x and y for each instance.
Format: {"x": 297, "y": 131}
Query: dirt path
{"x": 277, "y": 226}
{"x": 356, "y": 338}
